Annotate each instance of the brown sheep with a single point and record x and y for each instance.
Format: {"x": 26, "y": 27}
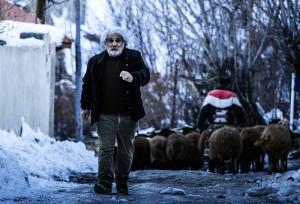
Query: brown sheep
{"x": 251, "y": 155}
{"x": 158, "y": 154}
{"x": 141, "y": 156}
{"x": 260, "y": 128}
{"x": 177, "y": 147}
{"x": 276, "y": 141}
{"x": 224, "y": 144}
{"x": 194, "y": 157}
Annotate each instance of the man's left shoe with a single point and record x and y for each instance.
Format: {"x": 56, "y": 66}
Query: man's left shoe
{"x": 122, "y": 189}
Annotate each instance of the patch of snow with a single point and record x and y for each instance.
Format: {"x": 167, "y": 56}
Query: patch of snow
{"x": 146, "y": 131}
{"x": 42, "y": 156}
{"x": 286, "y": 186}
{"x": 115, "y": 199}
{"x": 14, "y": 181}
{"x": 66, "y": 85}
{"x": 173, "y": 191}
{"x": 273, "y": 114}
{"x": 297, "y": 125}
{"x": 260, "y": 191}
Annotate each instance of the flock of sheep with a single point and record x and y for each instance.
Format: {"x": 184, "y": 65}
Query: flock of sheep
{"x": 226, "y": 149}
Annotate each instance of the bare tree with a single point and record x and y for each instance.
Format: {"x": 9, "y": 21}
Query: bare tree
{"x": 40, "y": 9}
{"x": 285, "y": 17}
{"x": 210, "y": 38}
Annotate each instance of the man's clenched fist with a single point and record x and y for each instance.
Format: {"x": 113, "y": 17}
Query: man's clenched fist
{"x": 126, "y": 76}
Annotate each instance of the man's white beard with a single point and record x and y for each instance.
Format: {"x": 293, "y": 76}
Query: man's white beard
{"x": 114, "y": 53}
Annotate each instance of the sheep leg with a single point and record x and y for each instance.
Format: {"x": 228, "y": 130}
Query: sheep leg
{"x": 272, "y": 164}
{"x": 245, "y": 166}
{"x": 233, "y": 166}
{"x": 285, "y": 167}
{"x": 277, "y": 164}
{"x": 195, "y": 165}
{"x": 261, "y": 162}
{"x": 236, "y": 167}
{"x": 256, "y": 166}
{"x": 211, "y": 165}
{"x": 220, "y": 166}
{"x": 283, "y": 163}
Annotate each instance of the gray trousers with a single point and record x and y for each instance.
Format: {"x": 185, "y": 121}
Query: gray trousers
{"x": 112, "y": 128}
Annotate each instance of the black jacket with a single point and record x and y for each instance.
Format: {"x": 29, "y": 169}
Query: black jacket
{"x": 132, "y": 62}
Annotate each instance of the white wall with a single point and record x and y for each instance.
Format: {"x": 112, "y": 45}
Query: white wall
{"x": 27, "y": 87}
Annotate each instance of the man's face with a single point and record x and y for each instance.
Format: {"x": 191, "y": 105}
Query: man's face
{"x": 114, "y": 45}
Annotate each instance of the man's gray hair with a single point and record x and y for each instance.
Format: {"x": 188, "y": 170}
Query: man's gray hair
{"x": 115, "y": 30}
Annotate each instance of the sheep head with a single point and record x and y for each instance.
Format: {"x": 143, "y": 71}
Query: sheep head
{"x": 260, "y": 142}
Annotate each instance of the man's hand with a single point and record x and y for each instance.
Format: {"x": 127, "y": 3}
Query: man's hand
{"x": 85, "y": 114}
{"x": 126, "y": 76}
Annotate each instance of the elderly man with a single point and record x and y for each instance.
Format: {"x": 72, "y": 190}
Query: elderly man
{"x": 111, "y": 94}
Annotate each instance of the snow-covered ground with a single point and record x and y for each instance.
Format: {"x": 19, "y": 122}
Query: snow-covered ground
{"x": 31, "y": 164}
{"x": 14, "y": 181}
{"x": 286, "y": 187}
{"x": 34, "y": 156}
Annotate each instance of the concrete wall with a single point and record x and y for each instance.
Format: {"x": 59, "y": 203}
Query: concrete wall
{"x": 27, "y": 79}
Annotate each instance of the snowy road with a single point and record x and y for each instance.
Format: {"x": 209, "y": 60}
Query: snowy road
{"x": 146, "y": 187}
{"x": 43, "y": 159}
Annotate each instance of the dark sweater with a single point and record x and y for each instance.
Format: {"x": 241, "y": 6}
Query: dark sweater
{"x": 112, "y": 100}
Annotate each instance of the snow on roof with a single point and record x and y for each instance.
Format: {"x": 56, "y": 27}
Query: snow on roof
{"x": 10, "y": 32}
{"x": 32, "y": 42}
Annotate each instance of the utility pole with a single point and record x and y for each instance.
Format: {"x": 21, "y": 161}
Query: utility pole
{"x": 79, "y": 135}
{"x": 174, "y": 110}
{"x": 292, "y": 104}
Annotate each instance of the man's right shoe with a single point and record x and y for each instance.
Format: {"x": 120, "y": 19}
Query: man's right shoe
{"x": 102, "y": 189}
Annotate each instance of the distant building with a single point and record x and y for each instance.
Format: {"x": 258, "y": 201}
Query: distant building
{"x": 9, "y": 11}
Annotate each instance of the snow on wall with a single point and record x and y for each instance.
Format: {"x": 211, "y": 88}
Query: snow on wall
{"x": 27, "y": 83}
{"x": 27, "y": 75}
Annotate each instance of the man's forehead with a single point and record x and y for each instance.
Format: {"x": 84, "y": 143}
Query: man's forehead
{"x": 114, "y": 35}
